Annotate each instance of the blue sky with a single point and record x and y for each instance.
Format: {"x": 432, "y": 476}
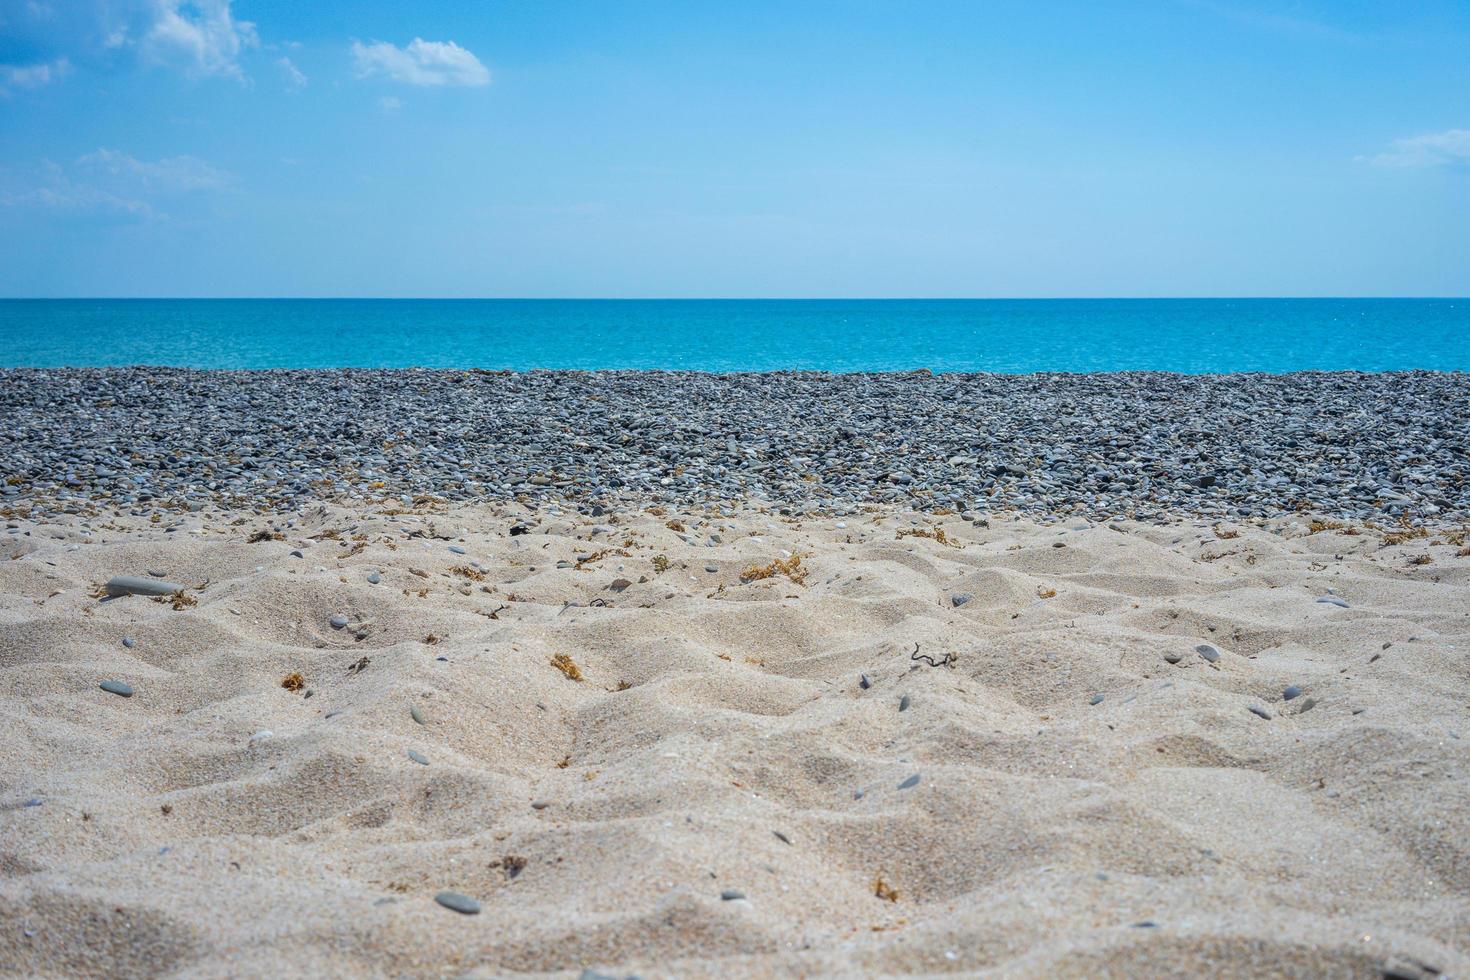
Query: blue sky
{"x": 558, "y": 148}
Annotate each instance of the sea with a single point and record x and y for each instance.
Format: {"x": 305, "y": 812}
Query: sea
{"x": 1014, "y": 336}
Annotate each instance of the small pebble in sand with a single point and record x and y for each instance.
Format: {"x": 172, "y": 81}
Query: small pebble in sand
{"x": 338, "y": 621}
{"x": 1259, "y": 712}
{"x": 732, "y": 895}
{"x": 418, "y": 757}
{"x": 417, "y": 715}
{"x": 864, "y": 682}
{"x": 374, "y": 578}
{"x": 903, "y": 703}
{"x": 910, "y": 783}
{"x": 1173, "y": 658}
{"x": 781, "y": 837}
{"x": 539, "y": 804}
{"x": 456, "y": 549}
{"x": 116, "y": 687}
{"x": 960, "y": 598}
{"x": 457, "y": 902}
{"x": 1208, "y": 652}
{"x": 1095, "y": 699}
{"x": 1292, "y": 691}
{"x": 1333, "y": 600}
{"x": 156, "y": 573}
{"x": 128, "y": 642}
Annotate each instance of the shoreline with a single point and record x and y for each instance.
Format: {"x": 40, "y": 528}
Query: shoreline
{"x": 1388, "y": 447}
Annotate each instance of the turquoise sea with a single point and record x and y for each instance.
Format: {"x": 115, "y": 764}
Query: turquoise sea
{"x": 1013, "y": 336}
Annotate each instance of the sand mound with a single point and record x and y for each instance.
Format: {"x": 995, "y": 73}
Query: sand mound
{"x": 637, "y": 757}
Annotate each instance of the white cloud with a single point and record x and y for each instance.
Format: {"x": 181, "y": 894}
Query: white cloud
{"x": 32, "y": 76}
{"x": 295, "y": 78}
{"x": 201, "y": 36}
{"x": 1447, "y": 149}
{"x": 421, "y": 63}
{"x": 390, "y": 103}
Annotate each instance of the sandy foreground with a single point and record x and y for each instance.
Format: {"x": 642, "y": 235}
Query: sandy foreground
{"x": 719, "y": 794}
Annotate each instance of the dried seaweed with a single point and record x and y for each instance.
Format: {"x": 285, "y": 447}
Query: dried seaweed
{"x": 790, "y": 567}
{"x": 565, "y": 664}
{"x": 884, "y": 890}
{"x": 293, "y": 681}
{"x": 936, "y": 534}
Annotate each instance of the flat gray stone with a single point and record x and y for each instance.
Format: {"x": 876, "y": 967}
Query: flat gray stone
{"x": 1208, "y": 652}
{"x": 338, "y": 622}
{"x": 418, "y": 757}
{"x": 910, "y": 783}
{"x": 1333, "y": 600}
{"x": 458, "y": 902}
{"x": 132, "y": 585}
{"x": 116, "y": 687}
{"x": 732, "y": 895}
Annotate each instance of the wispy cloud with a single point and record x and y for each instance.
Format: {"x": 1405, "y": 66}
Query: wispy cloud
{"x": 295, "y": 79}
{"x": 200, "y": 36}
{"x": 420, "y": 63}
{"x": 390, "y": 104}
{"x": 169, "y": 175}
{"x": 1275, "y": 21}
{"x": 112, "y": 184}
{"x": 32, "y": 76}
{"x": 1450, "y": 148}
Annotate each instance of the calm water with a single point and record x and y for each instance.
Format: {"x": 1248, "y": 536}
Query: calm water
{"x": 1195, "y": 336}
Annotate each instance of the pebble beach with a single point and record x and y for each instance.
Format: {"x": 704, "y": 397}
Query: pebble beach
{"x": 614, "y": 674}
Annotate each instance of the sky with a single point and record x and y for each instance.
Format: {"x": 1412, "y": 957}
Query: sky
{"x": 531, "y": 148}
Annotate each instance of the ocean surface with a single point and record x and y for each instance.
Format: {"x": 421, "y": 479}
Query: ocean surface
{"x": 1010, "y": 336}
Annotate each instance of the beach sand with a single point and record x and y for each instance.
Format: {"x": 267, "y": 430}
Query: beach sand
{"x": 719, "y": 794}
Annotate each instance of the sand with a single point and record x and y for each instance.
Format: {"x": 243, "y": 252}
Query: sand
{"x": 720, "y": 744}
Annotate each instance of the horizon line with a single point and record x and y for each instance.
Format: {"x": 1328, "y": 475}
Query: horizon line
{"x": 717, "y": 299}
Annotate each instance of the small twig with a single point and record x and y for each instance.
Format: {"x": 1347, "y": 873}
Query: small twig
{"x": 948, "y": 660}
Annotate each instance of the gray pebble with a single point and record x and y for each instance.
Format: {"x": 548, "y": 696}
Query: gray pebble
{"x": 1333, "y": 600}
{"x": 1096, "y": 699}
{"x": 1173, "y": 658}
{"x": 418, "y": 757}
{"x": 1291, "y": 691}
{"x": 116, "y": 687}
{"x": 864, "y": 682}
{"x": 456, "y": 549}
{"x": 960, "y": 598}
{"x": 1259, "y": 712}
{"x": 457, "y": 902}
{"x": 910, "y": 783}
{"x": 903, "y": 703}
{"x": 417, "y": 715}
{"x": 732, "y": 895}
{"x": 128, "y": 642}
{"x": 1208, "y": 652}
{"x": 374, "y": 578}
{"x": 338, "y": 621}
